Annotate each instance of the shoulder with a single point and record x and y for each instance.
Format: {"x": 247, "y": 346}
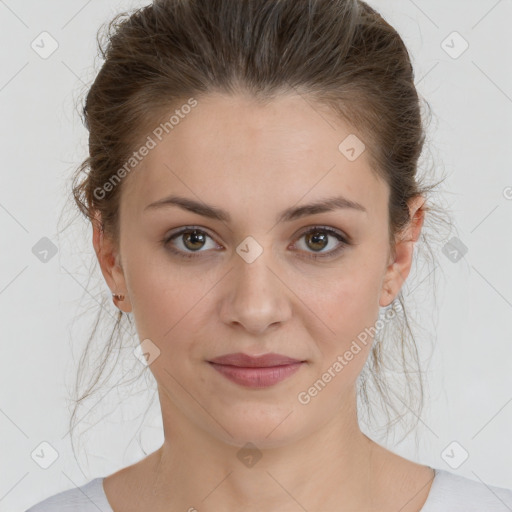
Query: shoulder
{"x": 90, "y": 497}
{"x": 455, "y": 493}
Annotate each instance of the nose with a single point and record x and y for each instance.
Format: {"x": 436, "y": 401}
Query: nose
{"x": 257, "y": 295}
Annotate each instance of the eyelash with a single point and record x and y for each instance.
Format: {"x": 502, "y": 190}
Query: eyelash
{"x": 334, "y": 252}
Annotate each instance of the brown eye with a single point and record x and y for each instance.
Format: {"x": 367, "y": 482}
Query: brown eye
{"x": 188, "y": 241}
{"x": 193, "y": 240}
{"x": 318, "y": 238}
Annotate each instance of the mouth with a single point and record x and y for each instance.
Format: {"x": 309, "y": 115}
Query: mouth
{"x": 256, "y": 372}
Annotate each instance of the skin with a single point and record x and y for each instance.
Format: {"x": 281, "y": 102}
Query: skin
{"x": 255, "y": 161}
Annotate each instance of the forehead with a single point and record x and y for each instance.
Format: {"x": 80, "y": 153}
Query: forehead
{"x": 234, "y": 151}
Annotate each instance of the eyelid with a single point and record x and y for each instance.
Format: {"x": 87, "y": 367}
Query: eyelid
{"x": 329, "y": 229}
{"x": 343, "y": 239}
{"x": 183, "y": 229}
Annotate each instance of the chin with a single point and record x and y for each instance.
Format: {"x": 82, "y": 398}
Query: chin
{"x": 262, "y": 428}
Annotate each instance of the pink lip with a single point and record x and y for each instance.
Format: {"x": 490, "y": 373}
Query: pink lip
{"x": 241, "y": 359}
{"x": 256, "y": 372}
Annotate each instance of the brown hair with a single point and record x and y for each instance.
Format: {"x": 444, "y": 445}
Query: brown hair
{"x": 338, "y": 53}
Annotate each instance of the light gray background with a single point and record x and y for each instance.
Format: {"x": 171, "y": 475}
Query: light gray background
{"x": 43, "y": 141}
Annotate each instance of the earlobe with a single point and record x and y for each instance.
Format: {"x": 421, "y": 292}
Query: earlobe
{"x": 388, "y": 292}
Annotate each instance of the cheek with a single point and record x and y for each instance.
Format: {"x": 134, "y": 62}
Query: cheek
{"x": 350, "y": 309}
{"x": 353, "y": 299}
{"x": 163, "y": 297}
{"x": 171, "y": 304}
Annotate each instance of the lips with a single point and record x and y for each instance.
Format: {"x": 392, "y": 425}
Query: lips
{"x": 246, "y": 361}
{"x": 256, "y": 372}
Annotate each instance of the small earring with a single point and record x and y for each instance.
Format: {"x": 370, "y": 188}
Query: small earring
{"x": 117, "y": 296}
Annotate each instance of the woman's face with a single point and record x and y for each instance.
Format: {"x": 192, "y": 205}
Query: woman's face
{"x": 256, "y": 282}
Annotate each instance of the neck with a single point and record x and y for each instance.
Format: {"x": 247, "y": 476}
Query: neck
{"x": 194, "y": 470}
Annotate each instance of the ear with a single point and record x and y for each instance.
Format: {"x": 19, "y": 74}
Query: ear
{"x": 108, "y": 258}
{"x": 398, "y": 270}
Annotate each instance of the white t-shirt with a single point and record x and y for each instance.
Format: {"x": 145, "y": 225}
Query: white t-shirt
{"x": 448, "y": 493}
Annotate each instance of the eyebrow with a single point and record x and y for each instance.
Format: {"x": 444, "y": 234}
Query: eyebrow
{"x": 293, "y": 213}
